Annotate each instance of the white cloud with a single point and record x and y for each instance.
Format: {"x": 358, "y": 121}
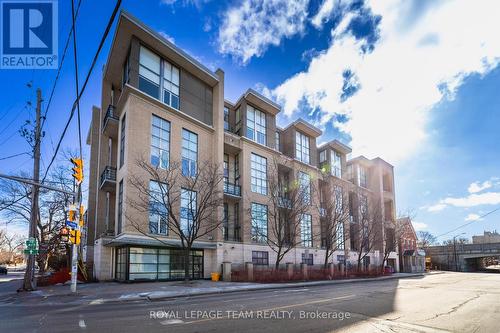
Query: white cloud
{"x": 167, "y": 37}
{"x": 436, "y": 208}
{"x": 419, "y": 226}
{"x": 472, "y": 217}
{"x": 324, "y": 13}
{"x": 478, "y": 187}
{"x": 400, "y": 81}
{"x": 249, "y": 28}
{"x": 472, "y": 200}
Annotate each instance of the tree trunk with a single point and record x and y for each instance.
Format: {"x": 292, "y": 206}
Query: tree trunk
{"x": 327, "y": 255}
{"x": 278, "y": 259}
{"x": 187, "y": 260}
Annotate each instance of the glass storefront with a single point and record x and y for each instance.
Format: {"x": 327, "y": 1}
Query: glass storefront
{"x": 149, "y": 263}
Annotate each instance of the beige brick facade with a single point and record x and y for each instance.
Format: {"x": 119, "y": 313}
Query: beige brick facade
{"x": 201, "y": 111}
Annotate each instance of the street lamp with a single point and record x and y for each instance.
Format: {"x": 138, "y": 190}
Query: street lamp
{"x": 455, "y": 250}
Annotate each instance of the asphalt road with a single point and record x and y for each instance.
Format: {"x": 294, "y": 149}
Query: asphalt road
{"x": 456, "y": 302}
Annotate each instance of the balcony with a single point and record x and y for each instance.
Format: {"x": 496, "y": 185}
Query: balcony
{"x": 232, "y": 189}
{"x": 108, "y": 179}
{"x": 110, "y": 124}
{"x": 232, "y": 143}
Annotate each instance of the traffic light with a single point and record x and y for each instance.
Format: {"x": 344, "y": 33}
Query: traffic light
{"x": 64, "y": 232}
{"x": 78, "y": 169}
{"x": 74, "y": 236}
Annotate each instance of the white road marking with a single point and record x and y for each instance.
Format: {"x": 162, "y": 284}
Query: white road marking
{"x": 172, "y": 321}
{"x": 81, "y": 323}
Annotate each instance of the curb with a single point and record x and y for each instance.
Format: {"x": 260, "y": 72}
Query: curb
{"x": 265, "y": 287}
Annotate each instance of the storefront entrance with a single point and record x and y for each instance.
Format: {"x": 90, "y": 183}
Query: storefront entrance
{"x": 156, "y": 264}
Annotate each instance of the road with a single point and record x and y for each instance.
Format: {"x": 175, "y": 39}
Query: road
{"x": 456, "y": 302}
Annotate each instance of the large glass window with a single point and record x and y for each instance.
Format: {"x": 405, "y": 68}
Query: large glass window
{"x": 158, "y": 213}
{"x": 256, "y": 125}
{"x": 336, "y": 164}
{"x": 122, "y": 142}
{"x": 170, "y": 85}
{"x": 260, "y": 258}
{"x": 120, "y": 207}
{"x": 188, "y": 210}
{"x": 306, "y": 230}
{"x": 305, "y": 186}
{"x": 259, "y": 222}
{"x": 322, "y": 156}
{"x": 363, "y": 178}
{"x": 258, "y": 174}
{"x": 226, "y": 119}
{"x": 150, "y": 78}
{"x": 149, "y": 72}
{"x": 160, "y": 142}
{"x": 302, "y": 147}
{"x": 189, "y": 153}
{"x": 363, "y": 206}
{"x": 277, "y": 138}
{"x": 340, "y": 236}
{"x": 308, "y": 259}
{"x": 226, "y": 168}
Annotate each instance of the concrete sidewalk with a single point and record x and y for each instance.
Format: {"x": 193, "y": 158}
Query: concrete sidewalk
{"x": 105, "y": 292}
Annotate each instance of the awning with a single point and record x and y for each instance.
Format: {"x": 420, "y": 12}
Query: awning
{"x": 137, "y": 241}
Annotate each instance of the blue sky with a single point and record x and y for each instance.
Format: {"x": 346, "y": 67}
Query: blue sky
{"x": 414, "y": 82}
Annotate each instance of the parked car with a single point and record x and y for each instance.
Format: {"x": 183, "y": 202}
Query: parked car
{"x": 3, "y": 270}
{"x": 388, "y": 270}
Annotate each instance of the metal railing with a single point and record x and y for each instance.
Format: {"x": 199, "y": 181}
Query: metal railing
{"x": 110, "y": 114}
{"x": 232, "y": 189}
{"x": 108, "y": 174}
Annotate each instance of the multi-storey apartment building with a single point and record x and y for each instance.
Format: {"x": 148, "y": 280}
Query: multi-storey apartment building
{"x": 160, "y": 105}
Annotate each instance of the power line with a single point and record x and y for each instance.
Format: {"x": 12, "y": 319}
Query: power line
{"x": 468, "y": 223}
{"x": 75, "y": 52}
{"x": 11, "y": 156}
{"x": 60, "y": 66}
{"x": 103, "y": 39}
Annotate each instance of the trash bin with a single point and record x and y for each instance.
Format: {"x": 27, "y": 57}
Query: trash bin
{"x": 215, "y": 276}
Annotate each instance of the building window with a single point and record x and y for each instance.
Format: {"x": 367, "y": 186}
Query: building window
{"x": 363, "y": 179}
{"x": 339, "y": 199}
{"x": 170, "y": 85}
{"x": 302, "y": 147}
{"x": 158, "y": 214}
{"x": 120, "y": 207}
{"x": 340, "y": 236}
{"x": 237, "y": 169}
{"x": 188, "y": 210}
{"x": 259, "y": 222}
{"x": 305, "y": 186}
{"x": 226, "y": 119}
{"x": 336, "y": 164}
{"x": 260, "y": 258}
{"x": 149, "y": 72}
{"x": 226, "y": 168}
{"x": 189, "y": 153}
{"x": 258, "y": 174}
{"x": 363, "y": 206}
{"x": 225, "y": 222}
{"x": 277, "y": 138}
{"x": 306, "y": 230}
{"x": 308, "y": 259}
{"x": 160, "y": 142}
{"x": 122, "y": 142}
{"x": 256, "y": 125}
{"x": 126, "y": 71}
{"x": 322, "y": 156}
{"x": 350, "y": 173}
{"x": 237, "y": 222}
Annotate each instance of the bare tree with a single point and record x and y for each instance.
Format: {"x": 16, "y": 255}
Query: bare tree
{"x": 12, "y": 243}
{"x": 426, "y": 239}
{"x": 288, "y": 201}
{"x": 334, "y": 215}
{"x": 368, "y": 231}
{"x": 163, "y": 193}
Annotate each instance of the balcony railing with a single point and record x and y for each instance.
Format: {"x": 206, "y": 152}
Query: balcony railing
{"x": 110, "y": 124}
{"x": 108, "y": 177}
{"x": 232, "y": 189}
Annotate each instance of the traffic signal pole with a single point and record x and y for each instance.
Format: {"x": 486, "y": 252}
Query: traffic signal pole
{"x": 29, "y": 282}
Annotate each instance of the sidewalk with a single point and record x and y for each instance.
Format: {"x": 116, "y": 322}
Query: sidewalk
{"x": 105, "y": 292}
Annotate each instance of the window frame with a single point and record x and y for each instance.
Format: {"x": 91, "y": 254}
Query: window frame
{"x": 188, "y": 214}
{"x": 256, "y": 124}
{"x": 157, "y": 214}
{"x": 259, "y": 223}
{"x": 258, "y": 177}
{"x": 302, "y": 147}
{"x": 123, "y": 128}
{"x": 161, "y": 141}
{"x": 260, "y": 258}
{"x": 187, "y": 153}
{"x": 306, "y": 238}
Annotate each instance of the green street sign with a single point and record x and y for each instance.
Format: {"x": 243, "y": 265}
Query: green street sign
{"x": 31, "y": 251}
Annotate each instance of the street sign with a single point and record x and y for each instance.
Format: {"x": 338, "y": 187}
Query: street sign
{"x": 72, "y": 225}
{"x": 33, "y": 251}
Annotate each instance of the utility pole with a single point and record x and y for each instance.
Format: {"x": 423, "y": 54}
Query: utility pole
{"x": 29, "y": 276}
